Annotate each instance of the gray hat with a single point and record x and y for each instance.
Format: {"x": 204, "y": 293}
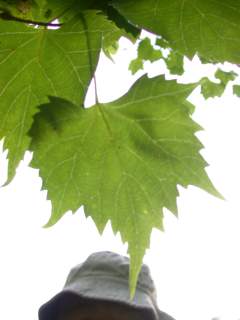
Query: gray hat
{"x": 104, "y": 276}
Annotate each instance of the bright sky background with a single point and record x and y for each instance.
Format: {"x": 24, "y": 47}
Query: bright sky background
{"x": 195, "y": 263}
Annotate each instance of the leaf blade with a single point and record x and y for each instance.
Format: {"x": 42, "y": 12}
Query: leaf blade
{"x": 122, "y": 160}
{"x": 208, "y": 28}
{"x": 47, "y": 62}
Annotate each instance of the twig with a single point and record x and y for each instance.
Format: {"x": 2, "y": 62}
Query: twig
{"x": 5, "y": 15}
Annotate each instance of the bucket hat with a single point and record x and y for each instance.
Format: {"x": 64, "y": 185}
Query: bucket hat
{"x": 104, "y": 276}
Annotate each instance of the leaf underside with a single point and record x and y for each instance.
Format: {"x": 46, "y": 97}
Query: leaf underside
{"x": 41, "y": 62}
{"x": 209, "y": 28}
{"x": 122, "y": 160}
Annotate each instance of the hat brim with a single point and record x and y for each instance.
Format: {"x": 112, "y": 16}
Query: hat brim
{"x": 101, "y": 288}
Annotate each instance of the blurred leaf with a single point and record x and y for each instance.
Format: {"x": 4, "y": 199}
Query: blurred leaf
{"x": 162, "y": 43}
{"x": 146, "y": 51}
{"x": 211, "y": 89}
{"x": 136, "y": 65}
{"x": 236, "y": 90}
{"x": 174, "y": 62}
{"x": 225, "y": 76}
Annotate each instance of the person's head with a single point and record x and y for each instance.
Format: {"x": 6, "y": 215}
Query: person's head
{"x": 98, "y": 289}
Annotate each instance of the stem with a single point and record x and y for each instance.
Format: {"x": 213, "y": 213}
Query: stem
{"x": 95, "y": 88}
{"x": 92, "y": 69}
{"x": 5, "y": 15}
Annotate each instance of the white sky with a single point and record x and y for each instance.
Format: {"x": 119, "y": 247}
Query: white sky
{"x": 195, "y": 263}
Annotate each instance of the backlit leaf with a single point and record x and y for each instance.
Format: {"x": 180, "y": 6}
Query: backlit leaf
{"x": 136, "y": 65}
{"x": 225, "y": 76}
{"x": 207, "y": 27}
{"x": 35, "y": 63}
{"x": 122, "y": 160}
{"x": 146, "y": 52}
{"x": 236, "y": 90}
{"x": 174, "y": 62}
{"x": 211, "y": 89}
{"x": 162, "y": 43}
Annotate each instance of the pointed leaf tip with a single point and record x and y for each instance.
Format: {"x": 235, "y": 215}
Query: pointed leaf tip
{"x": 122, "y": 160}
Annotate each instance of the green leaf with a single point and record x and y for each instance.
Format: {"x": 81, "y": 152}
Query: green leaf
{"x": 122, "y": 160}
{"x": 19, "y": 8}
{"x": 146, "y": 51}
{"x": 211, "y": 89}
{"x": 35, "y": 63}
{"x": 122, "y": 23}
{"x": 162, "y": 43}
{"x": 236, "y": 90}
{"x": 46, "y": 10}
{"x": 111, "y": 39}
{"x": 174, "y": 62}
{"x": 225, "y": 76}
{"x": 40, "y": 10}
{"x": 208, "y": 28}
{"x": 136, "y": 65}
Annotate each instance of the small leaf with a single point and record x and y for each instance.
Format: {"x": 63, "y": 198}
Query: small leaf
{"x": 174, "y": 62}
{"x": 135, "y": 65}
{"x": 225, "y": 76}
{"x": 146, "y": 51}
{"x": 211, "y": 89}
{"x": 122, "y": 160}
{"x": 236, "y": 90}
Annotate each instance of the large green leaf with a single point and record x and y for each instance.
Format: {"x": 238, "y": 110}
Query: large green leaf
{"x": 122, "y": 160}
{"x": 210, "y": 28}
{"x": 35, "y": 63}
{"x": 46, "y": 10}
